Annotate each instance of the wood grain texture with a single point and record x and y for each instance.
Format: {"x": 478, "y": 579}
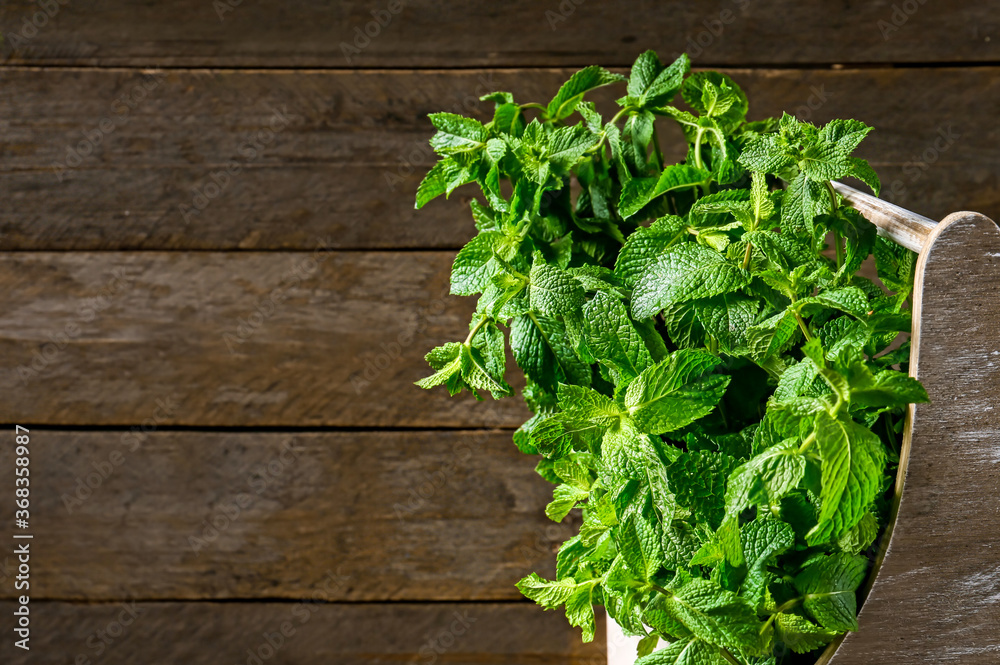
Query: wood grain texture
{"x": 345, "y": 165}
{"x": 314, "y": 33}
{"x": 367, "y": 516}
{"x": 936, "y": 596}
{"x": 314, "y": 634}
{"x": 903, "y": 227}
{"x": 244, "y": 339}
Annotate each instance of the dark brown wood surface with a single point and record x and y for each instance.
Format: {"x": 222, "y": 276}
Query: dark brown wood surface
{"x": 422, "y": 33}
{"x": 454, "y": 515}
{"x": 235, "y": 339}
{"x": 936, "y": 596}
{"x": 137, "y": 631}
{"x": 350, "y": 148}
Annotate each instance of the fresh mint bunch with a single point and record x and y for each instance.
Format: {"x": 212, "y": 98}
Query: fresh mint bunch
{"x": 714, "y": 390}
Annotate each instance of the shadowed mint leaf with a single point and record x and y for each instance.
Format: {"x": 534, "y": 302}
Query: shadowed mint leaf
{"x": 542, "y": 349}
{"x": 686, "y": 272}
{"x": 698, "y": 480}
{"x": 474, "y": 265}
{"x": 572, "y": 91}
{"x": 715, "y": 615}
{"x": 642, "y": 248}
{"x": 727, "y": 318}
{"x": 843, "y": 332}
{"x": 829, "y": 585}
{"x": 862, "y": 170}
{"x": 895, "y": 265}
{"x": 687, "y": 651}
{"x": 640, "y": 547}
{"x": 771, "y": 336}
{"x": 724, "y": 545}
{"x": 888, "y": 388}
{"x": 640, "y": 191}
{"x": 456, "y": 133}
{"x": 853, "y": 461}
{"x": 785, "y": 250}
{"x": 598, "y": 518}
{"x": 800, "y": 634}
{"x": 489, "y": 360}
{"x": 553, "y": 291}
{"x": 766, "y": 478}
{"x": 675, "y": 392}
{"x": 613, "y": 339}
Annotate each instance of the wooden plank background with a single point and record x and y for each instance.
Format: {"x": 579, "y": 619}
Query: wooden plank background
{"x": 166, "y": 329}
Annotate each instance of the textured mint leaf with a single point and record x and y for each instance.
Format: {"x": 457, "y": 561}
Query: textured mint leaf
{"x": 715, "y": 615}
{"x": 640, "y": 191}
{"x": 613, "y": 339}
{"x": 542, "y": 349}
{"x": 841, "y": 333}
{"x": 846, "y": 134}
{"x": 763, "y": 539}
{"x": 553, "y": 291}
{"x": 767, "y": 477}
{"x": 572, "y": 91}
{"x": 474, "y": 265}
{"x": 724, "y": 546}
{"x": 771, "y": 336}
{"x": 588, "y": 406}
{"x": 447, "y": 361}
{"x": 489, "y": 358}
{"x": 853, "y": 461}
{"x": 580, "y": 611}
{"x": 685, "y": 272}
{"x": 889, "y": 388}
{"x": 548, "y": 594}
{"x": 717, "y": 96}
{"x": 727, "y": 318}
{"x": 675, "y": 392}
{"x": 571, "y": 554}
{"x": 564, "y": 499}
{"x": 434, "y": 183}
{"x": 645, "y": 245}
{"x": 824, "y": 161}
{"x": 765, "y": 154}
{"x": 799, "y": 634}
{"x": 848, "y": 299}
{"x": 688, "y": 651}
{"x": 698, "y": 481}
{"x": 803, "y": 200}
{"x": 457, "y": 133}
{"x": 785, "y": 250}
{"x": 829, "y": 585}
{"x": 568, "y": 144}
{"x": 598, "y": 518}
{"x": 760, "y": 199}
{"x": 640, "y": 547}
{"x": 895, "y": 265}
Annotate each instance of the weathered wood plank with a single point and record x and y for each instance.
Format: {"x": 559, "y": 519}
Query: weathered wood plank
{"x": 306, "y": 633}
{"x": 456, "y": 515}
{"x": 421, "y": 33}
{"x": 298, "y": 339}
{"x": 936, "y": 596}
{"x": 347, "y": 162}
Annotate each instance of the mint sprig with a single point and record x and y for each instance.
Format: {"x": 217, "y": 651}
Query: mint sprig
{"x": 713, "y": 384}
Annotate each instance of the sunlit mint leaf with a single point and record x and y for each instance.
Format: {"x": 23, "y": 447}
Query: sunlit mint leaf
{"x": 764, "y": 153}
{"x": 829, "y": 585}
{"x": 572, "y": 91}
{"x": 553, "y": 291}
{"x": 474, "y": 265}
{"x": 675, "y": 392}
{"x": 640, "y": 191}
{"x": 456, "y": 133}
{"x": 645, "y": 245}
{"x": 800, "y": 634}
{"x": 715, "y": 615}
{"x": 686, "y": 272}
{"x": 613, "y": 339}
{"x": 767, "y": 477}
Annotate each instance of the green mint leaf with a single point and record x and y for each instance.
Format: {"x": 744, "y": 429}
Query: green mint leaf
{"x": 675, "y": 392}
{"x": 765, "y": 154}
{"x": 640, "y": 547}
{"x": 456, "y": 134}
{"x": 572, "y": 91}
{"x": 845, "y": 134}
{"x": 447, "y": 361}
{"x": 542, "y": 349}
{"x": 434, "y": 183}
{"x": 645, "y": 245}
{"x": 553, "y": 291}
{"x": 799, "y": 634}
{"x": 717, "y": 96}
{"x": 824, "y": 161}
{"x": 685, "y": 272}
{"x": 638, "y": 192}
{"x": 698, "y": 480}
{"x": 863, "y": 171}
{"x": 766, "y": 478}
{"x": 848, "y": 299}
{"x": 613, "y": 338}
{"x": 687, "y": 651}
{"x": 715, "y": 615}
{"x": 829, "y": 585}
{"x": 474, "y": 265}
{"x": 564, "y": 499}
{"x": 727, "y": 318}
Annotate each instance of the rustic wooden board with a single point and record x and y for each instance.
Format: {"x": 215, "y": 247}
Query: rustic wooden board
{"x": 315, "y": 633}
{"x": 456, "y": 515}
{"x": 314, "y": 33}
{"x": 331, "y": 172}
{"x": 936, "y": 597}
{"x": 102, "y": 336}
